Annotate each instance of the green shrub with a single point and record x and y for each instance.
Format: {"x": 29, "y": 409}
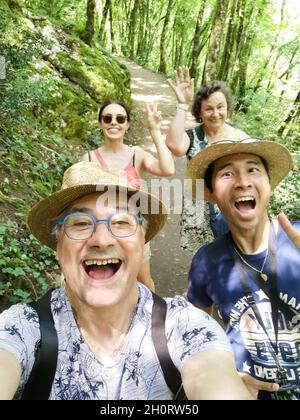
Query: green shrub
{"x": 27, "y": 268}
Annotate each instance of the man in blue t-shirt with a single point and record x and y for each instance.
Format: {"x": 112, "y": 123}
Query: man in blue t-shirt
{"x": 252, "y": 273}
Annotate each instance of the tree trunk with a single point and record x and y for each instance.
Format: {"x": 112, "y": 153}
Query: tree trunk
{"x": 132, "y": 27}
{"x": 181, "y": 44}
{"x": 293, "y": 114}
{"x": 90, "y": 22}
{"x": 244, "y": 39}
{"x": 162, "y": 65}
{"x": 176, "y": 40}
{"x": 197, "y": 41}
{"x": 111, "y": 23}
{"x": 229, "y": 43}
{"x": 124, "y": 26}
{"x": 242, "y": 74}
{"x": 274, "y": 47}
{"x": 141, "y": 44}
{"x": 102, "y": 33}
{"x": 210, "y": 68}
{"x": 287, "y": 73}
{"x": 232, "y": 73}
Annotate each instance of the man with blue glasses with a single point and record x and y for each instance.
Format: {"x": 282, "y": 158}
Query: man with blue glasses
{"x": 109, "y": 328}
{"x": 81, "y": 226}
{"x": 251, "y": 274}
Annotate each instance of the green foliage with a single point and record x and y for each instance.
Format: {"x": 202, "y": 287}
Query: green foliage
{"x": 57, "y": 9}
{"x": 19, "y": 93}
{"x": 27, "y": 268}
{"x": 265, "y": 116}
{"x": 286, "y": 197}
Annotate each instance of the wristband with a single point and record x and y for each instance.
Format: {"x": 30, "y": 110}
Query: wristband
{"x": 184, "y": 107}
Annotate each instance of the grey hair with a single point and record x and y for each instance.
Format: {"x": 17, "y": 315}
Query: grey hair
{"x": 55, "y": 230}
{"x": 145, "y": 224}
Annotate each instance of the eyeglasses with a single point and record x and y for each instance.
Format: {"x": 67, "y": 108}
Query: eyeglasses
{"x": 107, "y": 118}
{"x": 82, "y": 226}
{"x": 247, "y": 140}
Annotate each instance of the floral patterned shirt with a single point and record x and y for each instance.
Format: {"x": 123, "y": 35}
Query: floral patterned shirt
{"x": 136, "y": 374}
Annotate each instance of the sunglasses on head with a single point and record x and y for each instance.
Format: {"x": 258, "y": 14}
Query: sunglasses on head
{"x": 107, "y": 119}
{"x": 247, "y": 140}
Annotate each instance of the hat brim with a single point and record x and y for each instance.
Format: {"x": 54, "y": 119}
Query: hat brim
{"x": 277, "y": 157}
{"x": 42, "y": 217}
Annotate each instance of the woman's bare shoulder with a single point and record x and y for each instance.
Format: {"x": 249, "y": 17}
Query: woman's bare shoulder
{"x": 236, "y": 132}
{"x": 241, "y": 133}
{"x": 139, "y": 152}
{"x": 90, "y": 155}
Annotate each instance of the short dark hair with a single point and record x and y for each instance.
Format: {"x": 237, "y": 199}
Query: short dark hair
{"x": 209, "y": 173}
{"x": 205, "y": 91}
{"x": 110, "y": 102}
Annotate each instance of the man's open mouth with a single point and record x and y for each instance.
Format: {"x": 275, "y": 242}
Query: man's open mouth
{"x": 245, "y": 203}
{"x": 102, "y": 269}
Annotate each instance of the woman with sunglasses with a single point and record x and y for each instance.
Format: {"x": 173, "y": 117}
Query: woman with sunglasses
{"x": 115, "y": 156}
{"x": 211, "y": 107}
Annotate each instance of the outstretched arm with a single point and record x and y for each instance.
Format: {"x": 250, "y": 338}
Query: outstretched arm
{"x": 10, "y": 374}
{"x": 164, "y": 164}
{"x": 177, "y": 140}
{"x": 254, "y": 385}
{"x": 289, "y": 230}
{"x": 211, "y": 375}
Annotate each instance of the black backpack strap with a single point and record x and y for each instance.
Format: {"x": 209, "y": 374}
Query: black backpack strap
{"x": 170, "y": 371}
{"x": 39, "y": 384}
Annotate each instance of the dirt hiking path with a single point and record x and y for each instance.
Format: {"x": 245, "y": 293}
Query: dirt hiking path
{"x": 169, "y": 264}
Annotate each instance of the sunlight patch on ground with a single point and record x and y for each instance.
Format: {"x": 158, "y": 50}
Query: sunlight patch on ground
{"x": 151, "y": 98}
{"x": 137, "y": 82}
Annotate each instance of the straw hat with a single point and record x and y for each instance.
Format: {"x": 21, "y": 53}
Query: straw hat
{"x": 82, "y": 179}
{"x": 277, "y": 157}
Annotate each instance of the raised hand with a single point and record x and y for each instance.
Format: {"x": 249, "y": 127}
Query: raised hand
{"x": 289, "y": 230}
{"x": 154, "y": 116}
{"x": 163, "y": 165}
{"x": 183, "y": 86}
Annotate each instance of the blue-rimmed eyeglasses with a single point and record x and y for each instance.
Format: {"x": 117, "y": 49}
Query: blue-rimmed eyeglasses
{"x": 247, "y": 140}
{"x": 81, "y": 226}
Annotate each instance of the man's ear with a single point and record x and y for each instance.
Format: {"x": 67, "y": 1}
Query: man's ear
{"x": 209, "y": 196}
